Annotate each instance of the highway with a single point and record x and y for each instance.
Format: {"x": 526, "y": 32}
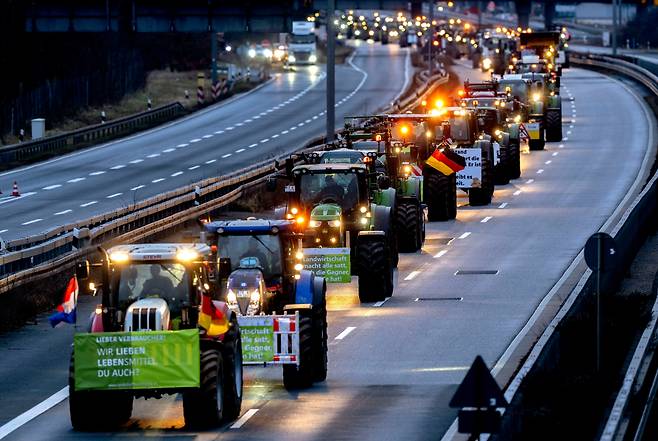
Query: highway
{"x": 278, "y": 118}
{"x": 394, "y": 366}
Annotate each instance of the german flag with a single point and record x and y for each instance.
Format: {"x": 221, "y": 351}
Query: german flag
{"x": 446, "y": 161}
{"x": 212, "y": 318}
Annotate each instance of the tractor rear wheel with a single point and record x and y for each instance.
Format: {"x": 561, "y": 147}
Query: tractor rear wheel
{"x": 320, "y": 342}
{"x": 374, "y": 270}
{"x": 204, "y": 407}
{"x": 553, "y": 125}
{"x": 232, "y": 355}
{"x": 483, "y": 195}
{"x": 440, "y": 193}
{"x": 514, "y": 159}
{"x": 300, "y": 377}
{"x": 409, "y": 227}
{"x": 501, "y": 173}
{"x": 538, "y": 144}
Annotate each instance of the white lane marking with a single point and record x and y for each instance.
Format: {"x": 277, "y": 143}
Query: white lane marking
{"x": 263, "y": 141}
{"x": 284, "y": 132}
{"x": 155, "y": 181}
{"x": 486, "y": 219}
{"x": 180, "y": 146}
{"x": 248, "y": 120}
{"x": 33, "y": 221}
{"x": 345, "y": 333}
{"x": 561, "y": 146}
{"x": 112, "y": 196}
{"x": 412, "y": 275}
{"x": 136, "y": 161}
{"x": 194, "y": 167}
{"x": 540, "y": 171}
{"x": 293, "y": 128}
{"x": 210, "y": 161}
{"x": 195, "y": 140}
{"x": 37, "y": 410}
{"x": 517, "y": 192}
{"x": 300, "y": 124}
{"x": 548, "y": 162}
{"x": 59, "y": 213}
{"x": 153, "y": 155}
{"x": 465, "y": 235}
{"x": 97, "y": 173}
{"x": 3, "y": 231}
{"x": 117, "y": 167}
{"x": 503, "y": 205}
{"x": 178, "y": 173}
{"x": 244, "y": 418}
{"x": 239, "y": 124}
{"x": 219, "y": 132}
{"x": 555, "y": 153}
{"x": 315, "y": 117}
{"x": 229, "y": 128}
{"x": 74, "y": 180}
{"x": 440, "y": 254}
{"x": 86, "y": 204}
{"x": 565, "y": 139}
{"x": 568, "y": 132}
{"x": 52, "y": 187}
{"x": 571, "y": 126}
{"x": 256, "y": 116}
{"x": 168, "y": 150}
{"x": 239, "y": 151}
{"x": 380, "y": 303}
{"x": 275, "y": 136}
{"x": 269, "y": 111}
{"x": 137, "y": 188}
{"x": 227, "y": 155}
{"x": 253, "y": 145}
{"x": 13, "y": 198}
{"x": 529, "y": 181}
{"x": 207, "y": 136}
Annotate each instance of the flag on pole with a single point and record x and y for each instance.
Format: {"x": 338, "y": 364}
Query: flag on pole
{"x": 446, "y": 161}
{"x": 211, "y": 318}
{"x": 66, "y": 310}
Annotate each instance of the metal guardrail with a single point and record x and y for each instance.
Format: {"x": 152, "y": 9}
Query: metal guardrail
{"x": 38, "y": 255}
{"x": 88, "y": 135}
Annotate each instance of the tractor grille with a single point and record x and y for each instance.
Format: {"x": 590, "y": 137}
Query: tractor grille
{"x": 144, "y": 319}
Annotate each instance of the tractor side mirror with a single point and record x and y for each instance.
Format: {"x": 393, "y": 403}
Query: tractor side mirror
{"x": 82, "y": 270}
{"x": 383, "y": 182}
{"x": 224, "y": 268}
{"x": 270, "y": 184}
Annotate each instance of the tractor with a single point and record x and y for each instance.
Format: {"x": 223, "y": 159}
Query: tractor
{"x": 156, "y": 331}
{"x": 346, "y": 205}
{"x": 262, "y": 279}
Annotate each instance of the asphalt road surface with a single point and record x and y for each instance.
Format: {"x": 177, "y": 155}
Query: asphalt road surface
{"x": 393, "y": 366}
{"x": 278, "y": 118}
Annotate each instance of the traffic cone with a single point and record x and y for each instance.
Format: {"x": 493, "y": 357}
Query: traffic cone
{"x": 14, "y": 191}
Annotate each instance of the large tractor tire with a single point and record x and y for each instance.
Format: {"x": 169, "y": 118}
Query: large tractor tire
{"x": 501, "y": 170}
{"x": 409, "y": 227}
{"x": 374, "y": 270}
{"x": 538, "y": 144}
{"x": 233, "y": 375}
{"x": 320, "y": 344}
{"x": 94, "y": 410}
{"x": 483, "y": 195}
{"x": 514, "y": 169}
{"x": 300, "y": 377}
{"x": 553, "y": 125}
{"x": 440, "y": 194}
{"x": 204, "y": 407}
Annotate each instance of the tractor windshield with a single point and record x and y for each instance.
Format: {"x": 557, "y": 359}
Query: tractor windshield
{"x": 264, "y": 248}
{"x": 338, "y": 188}
{"x": 518, "y": 89}
{"x": 168, "y": 281}
{"x": 458, "y": 130}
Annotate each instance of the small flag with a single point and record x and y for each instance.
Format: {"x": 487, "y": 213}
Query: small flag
{"x": 211, "y": 318}
{"x": 66, "y": 311}
{"x": 446, "y": 161}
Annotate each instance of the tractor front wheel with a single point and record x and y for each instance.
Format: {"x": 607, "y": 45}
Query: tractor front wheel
{"x": 409, "y": 227}
{"x": 374, "y": 270}
{"x": 204, "y": 407}
{"x": 301, "y": 376}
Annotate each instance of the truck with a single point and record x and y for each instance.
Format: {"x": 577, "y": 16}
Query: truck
{"x": 280, "y": 306}
{"x": 155, "y": 331}
{"x": 302, "y": 46}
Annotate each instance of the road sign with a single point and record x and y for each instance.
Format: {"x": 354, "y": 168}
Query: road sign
{"x": 478, "y": 389}
{"x": 600, "y": 252}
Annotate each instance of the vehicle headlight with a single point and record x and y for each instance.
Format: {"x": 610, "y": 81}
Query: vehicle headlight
{"x": 231, "y": 297}
{"x": 299, "y": 267}
{"x": 255, "y": 297}
{"x": 364, "y": 220}
{"x": 407, "y": 169}
{"x": 278, "y": 54}
{"x": 536, "y": 97}
{"x": 517, "y": 119}
{"x": 486, "y": 63}
{"x": 291, "y": 58}
{"x": 313, "y": 58}
{"x": 299, "y": 255}
{"x": 315, "y": 223}
{"x": 363, "y": 209}
{"x": 267, "y": 53}
{"x": 251, "y": 53}
{"x": 334, "y": 223}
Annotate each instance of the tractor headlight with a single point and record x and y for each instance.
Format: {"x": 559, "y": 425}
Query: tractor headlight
{"x": 251, "y": 53}
{"x": 364, "y": 221}
{"x": 315, "y": 223}
{"x": 517, "y": 119}
{"x": 299, "y": 267}
{"x": 486, "y": 63}
{"x": 536, "y": 97}
{"x": 363, "y": 209}
{"x": 255, "y": 297}
{"x": 334, "y": 223}
{"x": 407, "y": 169}
{"x": 231, "y": 297}
{"x": 299, "y": 255}
{"x": 313, "y": 58}
{"x": 291, "y": 58}
{"x": 294, "y": 210}
{"x": 119, "y": 256}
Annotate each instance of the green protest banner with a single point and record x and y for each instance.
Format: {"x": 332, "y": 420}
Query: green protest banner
{"x": 331, "y": 263}
{"x": 257, "y": 335}
{"x": 137, "y": 360}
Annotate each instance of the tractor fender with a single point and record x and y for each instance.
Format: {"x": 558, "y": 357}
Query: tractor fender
{"x": 555, "y": 102}
{"x": 304, "y": 288}
{"x": 319, "y": 291}
{"x": 382, "y": 219}
{"x": 387, "y": 197}
{"x": 504, "y": 139}
{"x": 513, "y": 131}
{"x": 537, "y": 108}
{"x": 486, "y": 147}
{"x": 412, "y": 188}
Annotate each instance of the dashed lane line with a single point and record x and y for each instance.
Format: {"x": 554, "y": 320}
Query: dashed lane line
{"x": 137, "y": 188}
{"x": 112, "y": 196}
{"x": 210, "y": 161}
{"x": 412, "y": 275}
{"x": 209, "y": 135}
{"x": 529, "y": 181}
{"x": 52, "y": 187}
{"x": 155, "y": 181}
{"x": 87, "y": 204}
{"x": 252, "y": 145}
{"x": 555, "y": 153}
{"x": 227, "y": 155}
{"x": 244, "y": 418}
{"x": 239, "y": 150}
{"x": 97, "y": 173}
{"x": 153, "y": 155}
{"x": 540, "y": 171}
{"x": 180, "y": 146}
{"x": 345, "y": 333}
{"x": 548, "y": 162}
{"x": 136, "y": 161}
{"x": 33, "y": 221}
{"x": 118, "y": 167}
{"x": 465, "y": 235}
{"x": 194, "y": 167}
{"x": 503, "y": 205}
{"x": 74, "y": 180}
{"x": 178, "y": 173}
{"x": 59, "y": 213}
{"x": 486, "y": 219}
{"x": 195, "y": 140}
{"x": 440, "y": 254}
{"x": 517, "y": 192}
{"x": 168, "y": 150}
{"x": 380, "y": 303}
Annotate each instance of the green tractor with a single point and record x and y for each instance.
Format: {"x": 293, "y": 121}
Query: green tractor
{"x": 344, "y": 205}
